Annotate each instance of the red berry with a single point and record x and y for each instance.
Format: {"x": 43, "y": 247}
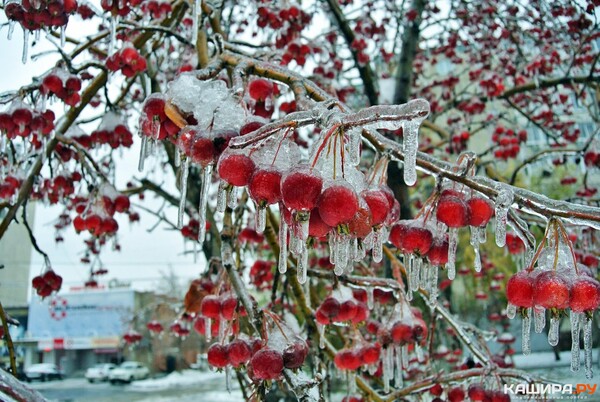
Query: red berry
{"x": 121, "y": 203}
{"x": 347, "y": 311}
{"x": 481, "y": 211}
{"x": 476, "y": 392}
{"x": 52, "y": 83}
{"x": 239, "y": 352}
{"x": 235, "y": 169}
{"x": 260, "y": 89}
{"x": 438, "y": 253}
{"x": 300, "y": 190}
{"x": 228, "y": 307}
{"x": 337, "y": 204}
{"x": 370, "y": 353}
{"x": 211, "y": 306}
{"x": 402, "y": 332}
{"x": 265, "y": 187}
{"x": 217, "y": 355}
{"x": 295, "y": 354}
{"x": 585, "y": 294}
{"x": 551, "y": 290}
{"x": 360, "y": 225}
{"x": 348, "y": 359}
{"x": 519, "y": 289}
{"x": 328, "y": 310}
{"x": 378, "y": 205}
{"x": 267, "y": 364}
{"x": 411, "y": 239}
{"x": 452, "y": 211}
{"x": 316, "y": 227}
{"x": 456, "y": 394}
{"x": 436, "y": 390}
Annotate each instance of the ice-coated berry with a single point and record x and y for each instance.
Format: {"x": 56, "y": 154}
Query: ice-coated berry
{"x": 551, "y": 290}
{"x": 337, "y": 205}
{"x": 378, "y": 205}
{"x": 316, "y": 227}
{"x": 239, "y": 352}
{"x": 348, "y": 359}
{"x": 267, "y": 364}
{"x": 265, "y": 187}
{"x": 456, "y": 394}
{"x": 301, "y": 189}
{"x": 295, "y": 354}
{"x": 235, "y": 169}
{"x": 452, "y": 211}
{"x": 328, "y": 310}
{"x": 519, "y": 289}
{"x": 585, "y": 294}
{"x": 480, "y": 211}
{"x": 211, "y": 307}
{"x": 411, "y": 239}
{"x": 438, "y": 253}
{"x": 217, "y": 355}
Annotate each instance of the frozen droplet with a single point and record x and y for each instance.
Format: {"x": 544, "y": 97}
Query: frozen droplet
{"x": 302, "y": 265}
{"x": 185, "y": 168}
{"x": 511, "y": 311}
{"x": 433, "y": 286}
{"x": 388, "y": 367}
{"x": 354, "y": 146}
{"x": 576, "y": 319}
{"x": 410, "y": 145}
{"x": 370, "y": 298}
{"x": 143, "y": 154}
{"x": 587, "y": 346}
{"x": 416, "y": 270}
{"x": 63, "y": 36}
{"x": 321, "y": 331}
{"x": 208, "y": 329}
{"x": 205, "y": 185}
{"x": 222, "y": 328}
{"x": 112, "y": 38}
{"x": 11, "y": 29}
{"x": 283, "y": 254}
{"x": 539, "y": 319}
{"x": 504, "y": 200}
{"x": 261, "y": 218}
{"x": 227, "y": 378}
{"x": 452, "y": 245}
{"x": 25, "y": 46}
{"x": 553, "y": 331}
{"x": 232, "y": 198}
{"x": 526, "y": 338}
{"x": 222, "y": 196}
{"x": 425, "y": 274}
{"x": 398, "y": 380}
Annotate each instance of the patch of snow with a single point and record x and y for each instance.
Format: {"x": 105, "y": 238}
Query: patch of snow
{"x": 175, "y": 379}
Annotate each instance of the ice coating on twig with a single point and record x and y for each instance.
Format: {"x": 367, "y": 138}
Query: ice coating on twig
{"x": 196, "y": 16}
{"x": 504, "y": 200}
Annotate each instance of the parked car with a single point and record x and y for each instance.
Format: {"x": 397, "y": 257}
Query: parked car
{"x": 127, "y": 372}
{"x": 43, "y": 372}
{"x": 99, "y": 372}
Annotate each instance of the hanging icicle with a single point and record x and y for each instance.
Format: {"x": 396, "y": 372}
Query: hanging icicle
{"x": 205, "y": 186}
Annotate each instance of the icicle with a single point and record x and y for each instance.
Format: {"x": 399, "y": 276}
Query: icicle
{"x": 575, "y": 329}
{"x": 504, "y": 200}
{"x": 332, "y": 247}
{"x": 511, "y": 311}
{"x": 398, "y": 380}
{"x": 232, "y": 198}
{"x": 370, "y": 298}
{"x": 177, "y": 159}
{"x": 341, "y": 258}
{"x": 587, "y": 346}
{"x": 206, "y": 178}
{"x": 433, "y": 286}
{"x": 351, "y": 381}
{"x": 283, "y": 254}
{"x": 183, "y": 200}
{"x": 303, "y": 226}
{"x": 452, "y": 245}
{"x": 11, "y": 29}
{"x": 475, "y": 233}
{"x": 228, "y": 378}
{"x": 321, "y": 331}
{"x": 113, "y": 35}
{"x": 222, "y": 196}
{"x": 526, "y": 342}
{"x": 425, "y": 274}
{"x": 261, "y": 219}
{"x": 208, "y": 329}
{"x": 410, "y": 144}
{"x": 196, "y": 16}
{"x": 25, "y": 46}
{"x": 404, "y": 356}
{"x": 63, "y": 36}
{"x": 295, "y": 241}
{"x": 302, "y": 265}
{"x": 539, "y": 318}
{"x": 482, "y": 235}
{"x": 222, "y": 328}
{"x": 414, "y": 282}
{"x": 388, "y": 368}
{"x": 36, "y": 35}
{"x": 553, "y": 331}
{"x": 377, "y": 246}
{"x": 354, "y": 147}
{"x": 143, "y": 154}
{"x": 419, "y": 352}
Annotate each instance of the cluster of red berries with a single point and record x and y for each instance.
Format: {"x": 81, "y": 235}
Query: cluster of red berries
{"x": 190, "y": 231}
{"x": 202, "y": 147}
{"x": 47, "y": 283}
{"x": 20, "y": 120}
{"x": 98, "y": 219}
{"x": 410, "y": 329}
{"x": 155, "y": 327}
{"x": 60, "y": 186}
{"x": 62, "y": 84}
{"x": 297, "y": 52}
{"x": 475, "y": 393}
{"x": 289, "y": 23}
{"x": 220, "y": 309}
{"x": 361, "y": 355}
{"x": 180, "y": 329}
{"x": 260, "y": 92}
{"x": 128, "y": 60}
{"x": 34, "y": 15}
{"x": 9, "y": 186}
{"x": 458, "y": 143}
{"x": 553, "y": 290}
{"x": 117, "y": 136}
{"x": 119, "y": 7}
{"x": 592, "y": 159}
{"x": 154, "y": 122}
{"x": 334, "y": 311}
{"x": 132, "y": 337}
{"x": 156, "y": 9}
{"x": 508, "y": 142}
